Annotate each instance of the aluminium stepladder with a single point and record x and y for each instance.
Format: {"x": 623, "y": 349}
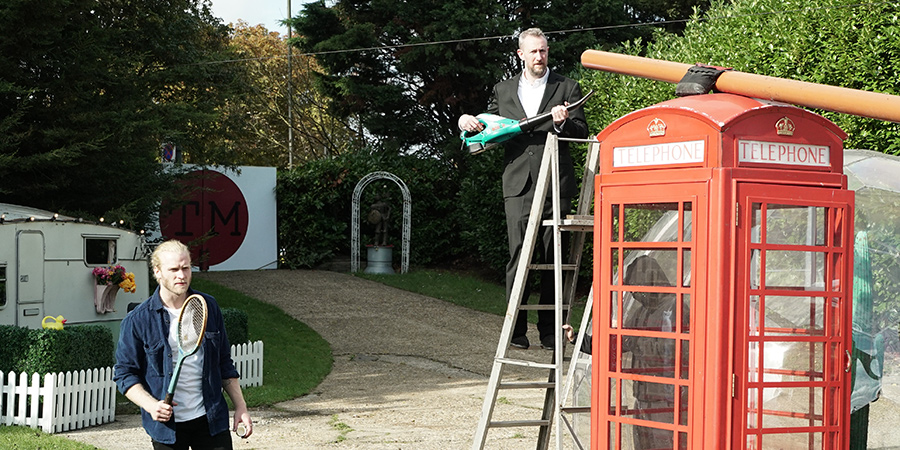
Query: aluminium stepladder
{"x": 564, "y": 292}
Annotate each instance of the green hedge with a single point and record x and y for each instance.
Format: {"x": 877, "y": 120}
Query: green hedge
{"x": 14, "y": 348}
{"x": 315, "y": 205}
{"x": 235, "y": 325}
{"x": 457, "y": 209}
{"x": 78, "y": 347}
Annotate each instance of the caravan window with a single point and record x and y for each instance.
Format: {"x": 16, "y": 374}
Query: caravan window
{"x": 99, "y": 251}
{"x": 2, "y": 286}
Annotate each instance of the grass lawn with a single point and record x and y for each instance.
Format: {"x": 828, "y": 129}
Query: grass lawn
{"x": 27, "y": 439}
{"x": 463, "y": 290}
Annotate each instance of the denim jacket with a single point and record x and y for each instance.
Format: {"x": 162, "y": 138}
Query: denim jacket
{"x": 143, "y": 356}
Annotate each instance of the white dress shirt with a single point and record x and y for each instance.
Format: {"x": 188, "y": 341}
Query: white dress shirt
{"x": 530, "y": 94}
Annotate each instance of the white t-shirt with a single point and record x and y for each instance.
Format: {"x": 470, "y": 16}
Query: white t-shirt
{"x": 189, "y": 390}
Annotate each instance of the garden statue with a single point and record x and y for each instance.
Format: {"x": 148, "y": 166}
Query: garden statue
{"x": 379, "y": 216}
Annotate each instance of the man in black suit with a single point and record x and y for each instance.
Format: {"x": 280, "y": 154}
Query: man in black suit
{"x": 536, "y": 90}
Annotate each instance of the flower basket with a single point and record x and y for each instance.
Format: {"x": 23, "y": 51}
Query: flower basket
{"x": 105, "y": 298}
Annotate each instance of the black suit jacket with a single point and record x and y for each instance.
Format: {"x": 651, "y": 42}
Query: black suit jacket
{"x": 522, "y": 158}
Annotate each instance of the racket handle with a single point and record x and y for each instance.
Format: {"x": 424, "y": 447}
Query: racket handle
{"x": 169, "y": 398}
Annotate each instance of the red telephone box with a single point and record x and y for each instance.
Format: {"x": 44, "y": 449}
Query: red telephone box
{"x": 723, "y": 279}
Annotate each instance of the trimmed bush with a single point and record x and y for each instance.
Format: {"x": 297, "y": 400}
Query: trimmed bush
{"x": 315, "y": 206}
{"x": 94, "y": 347}
{"x": 235, "y": 325}
{"x": 15, "y": 343}
{"x": 78, "y": 347}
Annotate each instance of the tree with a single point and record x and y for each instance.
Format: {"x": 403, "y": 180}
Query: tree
{"x": 260, "y": 118}
{"x": 90, "y": 89}
{"x": 409, "y": 69}
{"x": 833, "y": 42}
{"x": 676, "y": 12}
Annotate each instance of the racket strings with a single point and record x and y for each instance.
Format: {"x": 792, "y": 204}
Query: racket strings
{"x": 191, "y": 325}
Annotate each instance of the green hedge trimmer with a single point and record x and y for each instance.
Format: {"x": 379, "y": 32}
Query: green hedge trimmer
{"x": 498, "y": 129}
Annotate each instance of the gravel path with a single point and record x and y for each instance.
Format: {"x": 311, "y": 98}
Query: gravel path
{"x": 410, "y": 371}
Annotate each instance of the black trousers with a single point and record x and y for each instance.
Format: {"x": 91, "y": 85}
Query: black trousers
{"x": 518, "y": 210}
{"x": 194, "y": 434}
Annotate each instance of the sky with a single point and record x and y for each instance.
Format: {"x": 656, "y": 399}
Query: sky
{"x": 266, "y": 12}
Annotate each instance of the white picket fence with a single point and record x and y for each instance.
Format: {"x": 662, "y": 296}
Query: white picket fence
{"x": 248, "y": 359}
{"x": 81, "y": 399}
{"x": 63, "y": 402}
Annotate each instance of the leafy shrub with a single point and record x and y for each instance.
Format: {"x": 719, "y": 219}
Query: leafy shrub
{"x": 95, "y": 347}
{"x": 313, "y": 213}
{"x": 15, "y": 343}
{"x": 457, "y": 211}
{"x": 834, "y": 42}
{"x": 235, "y": 325}
{"x": 78, "y": 347}
{"x": 315, "y": 207}
{"x": 481, "y": 216}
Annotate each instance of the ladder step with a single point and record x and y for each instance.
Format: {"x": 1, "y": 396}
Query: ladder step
{"x": 525, "y": 363}
{"x": 537, "y": 307}
{"x": 551, "y": 266}
{"x": 520, "y": 423}
{"x": 573, "y": 223}
{"x": 576, "y": 409}
{"x": 577, "y": 228}
{"x": 528, "y": 385}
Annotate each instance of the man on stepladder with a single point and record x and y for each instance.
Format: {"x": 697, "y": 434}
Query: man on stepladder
{"x": 536, "y": 90}
{"x": 145, "y": 357}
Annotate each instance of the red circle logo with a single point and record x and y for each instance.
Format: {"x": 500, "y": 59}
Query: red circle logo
{"x": 211, "y": 218}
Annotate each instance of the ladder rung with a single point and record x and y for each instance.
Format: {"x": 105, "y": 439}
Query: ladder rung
{"x": 573, "y": 223}
{"x": 551, "y": 266}
{"x": 525, "y": 363}
{"x": 537, "y": 307}
{"x": 520, "y": 423}
{"x": 578, "y": 228}
{"x": 576, "y": 409}
{"x": 528, "y": 385}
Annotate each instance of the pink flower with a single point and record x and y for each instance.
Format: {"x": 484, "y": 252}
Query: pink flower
{"x": 110, "y": 275}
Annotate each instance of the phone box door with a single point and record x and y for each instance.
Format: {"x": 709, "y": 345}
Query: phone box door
{"x": 792, "y": 327}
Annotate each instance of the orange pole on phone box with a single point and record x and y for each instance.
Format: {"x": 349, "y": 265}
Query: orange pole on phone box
{"x": 800, "y": 93}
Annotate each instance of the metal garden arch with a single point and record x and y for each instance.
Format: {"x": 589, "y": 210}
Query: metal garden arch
{"x": 407, "y": 206}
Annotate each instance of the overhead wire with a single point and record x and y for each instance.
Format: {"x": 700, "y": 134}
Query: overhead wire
{"x": 573, "y": 30}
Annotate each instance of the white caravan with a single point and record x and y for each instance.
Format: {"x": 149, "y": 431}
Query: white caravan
{"x": 46, "y": 264}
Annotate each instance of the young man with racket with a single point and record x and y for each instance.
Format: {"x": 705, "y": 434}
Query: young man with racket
{"x": 173, "y": 360}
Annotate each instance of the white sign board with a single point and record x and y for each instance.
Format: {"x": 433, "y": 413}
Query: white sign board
{"x": 665, "y": 153}
{"x": 784, "y": 153}
{"x": 241, "y": 210}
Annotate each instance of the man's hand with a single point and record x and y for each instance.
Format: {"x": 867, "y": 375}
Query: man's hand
{"x": 163, "y": 412}
{"x": 560, "y": 113}
{"x": 470, "y": 123}
{"x": 159, "y": 410}
{"x": 242, "y": 420}
{"x": 243, "y": 426}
